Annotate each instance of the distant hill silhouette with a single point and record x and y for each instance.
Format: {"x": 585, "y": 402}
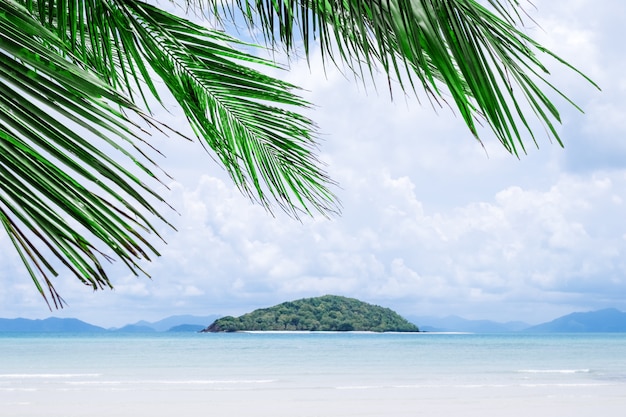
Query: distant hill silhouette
{"x": 187, "y": 328}
{"x": 609, "y": 320}
{"x": 326, "y": 313}
{"x": 71, "y": 325}
{"x": 133, "y": 328}
{"x": 49, "y": 325}
{"x": 459, "y": 324}
{"x": 168, "y": 323}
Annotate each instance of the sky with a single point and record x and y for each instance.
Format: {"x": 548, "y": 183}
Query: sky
{"x": 432, "y": 223}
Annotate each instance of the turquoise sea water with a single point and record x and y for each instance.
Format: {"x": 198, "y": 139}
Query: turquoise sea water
{"x": 312, "y": 374}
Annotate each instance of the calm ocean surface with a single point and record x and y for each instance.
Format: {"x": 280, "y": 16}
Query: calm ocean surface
{"x": 312, "y": 374}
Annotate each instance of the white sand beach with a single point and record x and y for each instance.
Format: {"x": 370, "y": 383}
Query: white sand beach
{"x": 292, "y": 375}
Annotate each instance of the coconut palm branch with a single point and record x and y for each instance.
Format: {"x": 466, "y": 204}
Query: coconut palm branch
{"x": 69, "y": 83}
{"x": 454, "y": 50}
{"x": 78, "y": 79}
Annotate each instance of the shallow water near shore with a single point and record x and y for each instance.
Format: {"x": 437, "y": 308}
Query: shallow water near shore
{"x": 312, "y": 374}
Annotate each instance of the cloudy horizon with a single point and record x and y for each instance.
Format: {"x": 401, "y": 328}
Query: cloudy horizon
{"x": 432, "y": 223}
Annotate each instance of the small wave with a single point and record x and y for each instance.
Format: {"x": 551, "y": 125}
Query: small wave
{"x": 173, "y": 382}
{"x": 447, "y": 386}
{"x": 554, "y": 371}
{"x": 564, "y": 385}
{"x": 359, "y": 387}
{"x": 415, "y": 386}
{"x": 12, "y": 389}
{"x": 470, "y": 386}
{"x": 211, "y": 381}
{"x": 47, "y": 376}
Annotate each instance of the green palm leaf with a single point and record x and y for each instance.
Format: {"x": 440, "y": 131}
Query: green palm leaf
{"x": 53, "y": 178}
{"x": 239, "y": 111}
{"x": 449, "y": 48}
{"x": 70, "y": 62}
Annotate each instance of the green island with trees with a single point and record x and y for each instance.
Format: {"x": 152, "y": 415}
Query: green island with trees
{"x": 326, "y": 313}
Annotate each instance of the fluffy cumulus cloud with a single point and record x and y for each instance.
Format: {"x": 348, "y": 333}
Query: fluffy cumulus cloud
{"x": 432, "y": 222}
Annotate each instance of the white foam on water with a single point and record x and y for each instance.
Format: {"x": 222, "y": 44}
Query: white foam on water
{"x": 168, "y": 381}
{"x": 47, "y": 376}
{"x": 554, "y": 371}
{"x": 13, "y": 389}
{"x": 359, "y": 387}
{"x": 599, "y": 384}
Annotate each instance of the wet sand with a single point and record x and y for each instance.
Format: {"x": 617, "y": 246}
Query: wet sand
{"x": 532, "y": 401}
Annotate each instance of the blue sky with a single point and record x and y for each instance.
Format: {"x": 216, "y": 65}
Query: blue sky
{"x": 432, "y": 223}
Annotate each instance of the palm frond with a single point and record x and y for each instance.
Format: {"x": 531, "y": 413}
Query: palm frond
{"x": 65, "y": 65}
{"x": 241, "y": 113}
{"x": 55, "y": 181}
{"x": 479, "y": 57}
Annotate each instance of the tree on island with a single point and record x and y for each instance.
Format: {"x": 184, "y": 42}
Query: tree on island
{"x": 321, "y": 314}
{"x": 78, "y": 80}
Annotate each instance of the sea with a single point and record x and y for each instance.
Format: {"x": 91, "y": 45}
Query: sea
{"x": 312, "y": 375}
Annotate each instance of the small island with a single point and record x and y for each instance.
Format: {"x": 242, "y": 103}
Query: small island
{"x": 326, "y": 313}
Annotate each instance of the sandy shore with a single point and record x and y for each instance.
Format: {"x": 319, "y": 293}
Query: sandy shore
{"x": 565, "y": 401}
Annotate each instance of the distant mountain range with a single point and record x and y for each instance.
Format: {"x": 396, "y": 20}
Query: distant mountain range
{"x": 459, "y": 324}
{"x": 49, "y": 325}
{"x": 61, "y": 325}
{"x": 167, "y": 324}
{"x": 608, "y": 320}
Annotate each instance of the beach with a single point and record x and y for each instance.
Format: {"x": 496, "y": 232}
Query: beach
{"x": 566, "y": 401}
{"x": 313, "y": 375}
